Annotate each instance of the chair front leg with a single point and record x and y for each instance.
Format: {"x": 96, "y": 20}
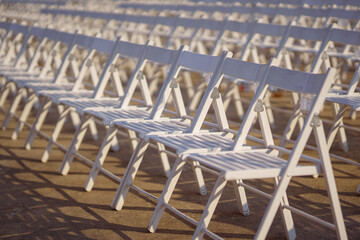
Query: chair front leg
{"x": 210, "y": 208}
{"x": 286, "y": 215}
{"x": 14, "y": 105}
{"x": 75, "y": 145}
{"x": 129, "y": 175}
{"x": 100, "y": 159}
{"x": 166, "y": 194}
{"x": 45, "y": 105}
{"x": 24, "y": 115}
{"x": 59, "y": 125}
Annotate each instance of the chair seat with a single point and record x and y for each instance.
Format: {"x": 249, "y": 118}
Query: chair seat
{"x": 184, "y": 142}
{"x": 107, "y": 115}
{"x": 80, "y": 104}
{"x": 15, "y": 73}
{"x": 144, "y": 127}
{"x": 56, "y": 95}
{"x": 10, "y": 68}
{"x": 250, "y": 165}
{"x": 40, "y": 86}
{"x": 21, "y": 81}
{"x": 352, "y": 101}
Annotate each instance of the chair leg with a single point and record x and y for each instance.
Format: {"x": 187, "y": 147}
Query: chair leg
{"x": 133, "y": 139}
{"x": 341, "y": 131}
{"x": 330, "y": 183}
{"x": 164, "y": 158}
{"x": 129, "y": 175}
{"x": 237, "y": 102}
{"x": 5, "y": 90}
{"x": 166, "y": 194}
{"x": 290, "y": 127}
{"x": 115, "y": 144}
{"x": 210, "y": 208}
{"x": 188, "y": 84}
{"x": 286, "y": 216}
{"x": 24, "y": 115}
{"x": 241, "y": 198}
{"x": 338, "y": 122}
{"x": 59, "y": 125}
{"x": 100, "y": 159}
{"x": 93, "y": 130}
{"x": 272, "y": 208}
{"x": 269, "y": 110}
{"x": 45, "y": 106}
{"x": 199, "y": 177}
{"x": 75, "y": 145}
{"x": 14, "y": 105}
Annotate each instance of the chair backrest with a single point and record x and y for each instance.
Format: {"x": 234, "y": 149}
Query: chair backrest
{"x": 159, "y": 56}
{"x": 293, "y": 81}
{"x": 186, "y": 61}
{"x": 301, "y": 34}
{"x": 234, "y": 68}
{"x": 118, "y": 49}
{"x": 263, "y": 29}
{"x": 346, "y": 38}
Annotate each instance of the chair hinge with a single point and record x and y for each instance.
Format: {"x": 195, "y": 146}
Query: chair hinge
{"x": 88, "y": 63}
{"x": 173, "y": 83}
{"x": 71, "y": 57}
{"x": 259, "y": 106}
{"x": 215, "y": 93}
{"x": 140, "y": 76}
{"x": 315, "y": 122}
{"x": 324, "y": 56}
{"x": 112, "y": 68}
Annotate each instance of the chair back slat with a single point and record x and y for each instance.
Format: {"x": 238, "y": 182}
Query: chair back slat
{"x": 160, "y": 55}
{"x": 295, "y": 81}
{"x": 345, "y": 36}
{"x": 198, "y": 62}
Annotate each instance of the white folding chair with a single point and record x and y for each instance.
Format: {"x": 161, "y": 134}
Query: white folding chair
{"x": 22, "y": 81}
{"x": 350, "y": 100}
{"x": 61, "y": 82}
{"x": 184, "y": 135}
{"x": 123, "y": 111}
{"x": 48, "y": 97}
{"x": 244, "y": 162}
{"x": 325, "y": 57}
{"x": 45, "y": 52}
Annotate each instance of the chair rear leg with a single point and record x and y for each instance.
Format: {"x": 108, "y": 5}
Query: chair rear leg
{"x": 199, "y": 177}
{"x": 133, "y": 139}
{"x": 93, "y": 130}
{"x": 100, "y": 158}
{"x": 241, "y": 197}
{"x": 286, "y": 215}
{"x": 164, "y": 158}
{"x": 341, "y": 131}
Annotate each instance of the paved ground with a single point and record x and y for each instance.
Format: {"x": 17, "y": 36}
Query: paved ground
{"x": 36, "y": 202}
